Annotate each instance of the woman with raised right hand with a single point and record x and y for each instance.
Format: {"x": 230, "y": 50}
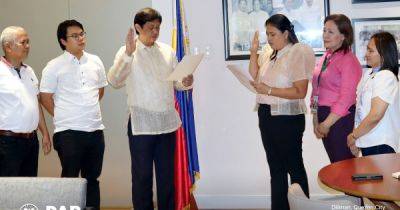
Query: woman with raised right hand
{"x": 281, "y": 78}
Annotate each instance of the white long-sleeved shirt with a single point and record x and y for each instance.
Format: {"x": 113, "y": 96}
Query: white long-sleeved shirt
{"x": 150, "y": 98}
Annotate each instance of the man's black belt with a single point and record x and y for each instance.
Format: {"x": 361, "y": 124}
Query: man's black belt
{"x": 19, "y": 135}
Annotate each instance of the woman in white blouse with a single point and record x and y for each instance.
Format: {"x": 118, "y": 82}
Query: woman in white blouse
{"x": 377, "y": 119}
{"x": 281, "y": 78}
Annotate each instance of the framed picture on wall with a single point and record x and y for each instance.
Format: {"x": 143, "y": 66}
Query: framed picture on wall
{"x": 370, "y": 1}
{"x": 364, "y": 28}
{"x": 243, "y": 17}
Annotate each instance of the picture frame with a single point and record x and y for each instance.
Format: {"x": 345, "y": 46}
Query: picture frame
{"x": 243, "y": 17}
{"x": 370, "y": 1}
{"x": 364, "y": 28}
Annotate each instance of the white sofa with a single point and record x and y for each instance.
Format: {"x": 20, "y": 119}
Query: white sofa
{"x": 42, "y": 192}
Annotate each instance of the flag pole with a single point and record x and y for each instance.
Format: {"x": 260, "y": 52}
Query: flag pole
{"x": 186, "y": 159}
{"x": 193, "y": 204}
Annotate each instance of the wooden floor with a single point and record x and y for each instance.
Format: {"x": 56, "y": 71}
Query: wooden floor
{"x": 116, "y": 208}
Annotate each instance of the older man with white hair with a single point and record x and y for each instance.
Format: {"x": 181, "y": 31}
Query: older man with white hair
{"x": 21, "y": 113}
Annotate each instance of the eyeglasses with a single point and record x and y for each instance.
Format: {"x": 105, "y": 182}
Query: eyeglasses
{"x": 77, "y": 36}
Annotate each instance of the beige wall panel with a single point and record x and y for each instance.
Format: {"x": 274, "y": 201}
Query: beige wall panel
{"x": 40, "y": 18}
{"x": 107, "y": 23}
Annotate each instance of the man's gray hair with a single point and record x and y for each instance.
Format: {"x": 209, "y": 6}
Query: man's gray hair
{"x": 9, "y": 34}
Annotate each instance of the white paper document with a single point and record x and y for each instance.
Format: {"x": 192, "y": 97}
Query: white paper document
{"x": 242, "y": 77}
{"x": 186, "y": 67}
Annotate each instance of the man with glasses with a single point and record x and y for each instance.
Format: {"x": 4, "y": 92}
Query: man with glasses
{"x": 20, "y": 113}
{"x": 71, "y": 87}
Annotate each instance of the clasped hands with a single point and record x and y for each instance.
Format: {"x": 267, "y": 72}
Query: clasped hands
{"x": 351, "y": 143}
{"x": 321, "y": 130}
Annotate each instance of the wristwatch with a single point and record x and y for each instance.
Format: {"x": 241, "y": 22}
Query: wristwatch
{"x": 269, "y": 91}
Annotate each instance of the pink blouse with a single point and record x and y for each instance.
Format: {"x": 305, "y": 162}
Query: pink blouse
{"x": 338, "y": 83}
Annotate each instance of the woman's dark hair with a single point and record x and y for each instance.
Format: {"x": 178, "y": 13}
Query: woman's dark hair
{"x": 146, "y": 15}
{"x": 63, "y": 28}
{"x": 282, "y": 23}
{"x": 387, "y": 48}
{"x": 343, "y": 23}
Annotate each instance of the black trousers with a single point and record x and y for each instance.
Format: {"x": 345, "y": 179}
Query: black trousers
{"x": 19, "y": 156}
{"x": 82, "y": 153}
{"x": 282, "y": 139}
{"x": 376, "y": 150}
{"x": 146, "y": 149}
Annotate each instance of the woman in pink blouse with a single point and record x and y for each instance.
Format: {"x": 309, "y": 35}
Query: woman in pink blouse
{"x": 334, "y": 84}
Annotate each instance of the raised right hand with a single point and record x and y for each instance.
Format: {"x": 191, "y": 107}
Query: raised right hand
{"x": 130, "y": 42}
{"x": 255, "y": 44}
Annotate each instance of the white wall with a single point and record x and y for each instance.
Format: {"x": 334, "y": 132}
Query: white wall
{"x": 106, "y": 23}
{"x": 371, "y": 10}
{"x": 233, "y": 167}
